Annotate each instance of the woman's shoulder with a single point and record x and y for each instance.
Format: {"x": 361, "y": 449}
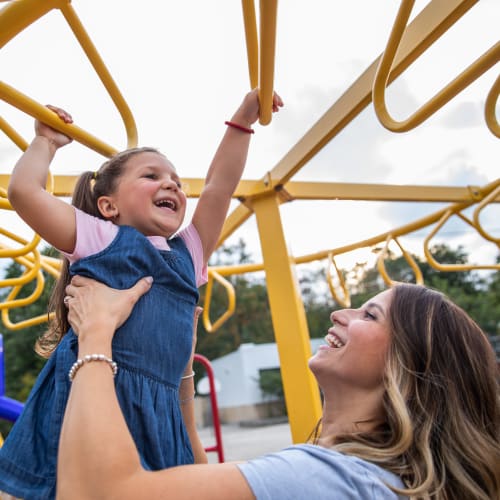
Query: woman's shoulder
{"x": 300, "y": 466}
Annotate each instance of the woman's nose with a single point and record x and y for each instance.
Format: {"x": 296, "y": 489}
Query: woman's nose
{"x": 343, "y": 316}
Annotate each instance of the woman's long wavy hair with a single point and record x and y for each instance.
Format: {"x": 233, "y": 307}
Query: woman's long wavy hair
{"x": 441, "y": 401}
{"x": 89, "y": 188}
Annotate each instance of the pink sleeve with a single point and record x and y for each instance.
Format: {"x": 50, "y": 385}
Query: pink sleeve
{"x": 192, "y": 240}
{"x": 92, "y": 235}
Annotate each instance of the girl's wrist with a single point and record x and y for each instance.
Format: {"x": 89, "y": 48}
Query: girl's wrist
{"x": 50, "y": 142}
{"x": 188, "y": 374}
{"x": 242, "y": 120}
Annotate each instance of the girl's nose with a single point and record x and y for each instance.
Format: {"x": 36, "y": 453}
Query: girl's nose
{"x": 169, "y": 184}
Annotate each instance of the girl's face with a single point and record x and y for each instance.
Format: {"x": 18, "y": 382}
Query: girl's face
{"x": 148, "y": 196}
{"x": 356, "y": 346}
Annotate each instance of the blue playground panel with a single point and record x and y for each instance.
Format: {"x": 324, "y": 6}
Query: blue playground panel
{"x": 10, "y": 409}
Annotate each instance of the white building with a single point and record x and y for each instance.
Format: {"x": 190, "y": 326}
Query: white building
{"x": 239, "y": 396}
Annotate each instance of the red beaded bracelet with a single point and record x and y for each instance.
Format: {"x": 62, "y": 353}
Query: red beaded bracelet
{"x": 240, "y": 127}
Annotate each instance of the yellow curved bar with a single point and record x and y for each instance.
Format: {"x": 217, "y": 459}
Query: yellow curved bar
{"x": 33, "y": 268}
{"x": 475, "y": 217}
{"x": 344, "y": 301}
{"x": 209, "y": 327}
{"x": 36, "y": 320}
{"x": 19, "y": 15}
{"x": 250, "y": 22}
{"x": 16, "y": 16}
{"x": 476, "y": 69}
{"x": 4, "y": 202}
{"x": 51, "y": 265}
{"x": 40, "y": 112}
{"x": 28, "y": 247}
{"x": 102, "y": 71}
{"x": 451, "y": 267}
{"x": 11, "y": 133}
{"x": 490, "y": 106}
{"x": 268, "y": 14}
{"x": 411, "y": 262}
{"x": 25, "y": 278}
{"x": 11, "y": 301}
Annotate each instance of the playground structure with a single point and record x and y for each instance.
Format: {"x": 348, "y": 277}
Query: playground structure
{"x": 262, "y": 198}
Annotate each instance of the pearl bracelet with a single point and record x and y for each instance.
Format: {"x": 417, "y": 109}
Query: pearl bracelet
{"x": 88, "y": 359}
{"x": 191, "y": 375}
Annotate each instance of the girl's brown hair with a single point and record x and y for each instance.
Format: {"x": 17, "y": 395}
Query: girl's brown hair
{"x": 89, "y": 188}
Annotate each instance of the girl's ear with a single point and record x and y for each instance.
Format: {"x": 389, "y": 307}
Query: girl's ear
{"x": 107, "y": 207}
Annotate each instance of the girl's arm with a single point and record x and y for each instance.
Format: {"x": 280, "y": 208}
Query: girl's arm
{"x": 97, "y": 456}
{"x": 42, "y": 211}
{"x": 225, "y": 173}
{"x": 186, "y": 397}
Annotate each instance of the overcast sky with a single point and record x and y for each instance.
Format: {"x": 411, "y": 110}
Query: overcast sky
{"x": 182, "y": 68}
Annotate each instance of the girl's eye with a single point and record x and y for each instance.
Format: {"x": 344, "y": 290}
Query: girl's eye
{"x": 151, "y": 176}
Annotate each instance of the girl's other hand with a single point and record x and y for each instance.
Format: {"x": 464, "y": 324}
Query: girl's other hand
{"x": 248, "y": 112}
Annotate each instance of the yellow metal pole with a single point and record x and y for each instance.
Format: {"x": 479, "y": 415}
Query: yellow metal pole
{"x": 268, "y": 12}
{"x": 103, "y": 73}
{"x": 289, "y": 321}
{"x": 11, "y": 133}
{"x": 16, "y": 16}
{"x": 490, "y": 108}
{"x": 40, "y": 112}
{"x": 250, "y": 21}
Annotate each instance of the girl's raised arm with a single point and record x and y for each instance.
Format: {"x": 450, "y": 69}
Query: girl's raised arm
{"x": 225, "y": 172}
{"x": 52, "y": 218}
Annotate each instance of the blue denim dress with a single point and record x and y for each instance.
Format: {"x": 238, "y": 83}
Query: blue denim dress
{"x": 151, "y": 349}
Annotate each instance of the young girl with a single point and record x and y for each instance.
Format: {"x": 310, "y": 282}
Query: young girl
{"x": 121, "y": 228}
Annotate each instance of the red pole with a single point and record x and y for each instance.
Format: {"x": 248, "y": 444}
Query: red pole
{"x": 215, "y": 410}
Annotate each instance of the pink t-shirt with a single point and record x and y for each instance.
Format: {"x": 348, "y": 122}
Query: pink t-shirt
{"x": 94, "y": 234}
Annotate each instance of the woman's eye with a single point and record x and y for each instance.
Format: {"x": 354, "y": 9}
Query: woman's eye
{"x": 369, "y": 315}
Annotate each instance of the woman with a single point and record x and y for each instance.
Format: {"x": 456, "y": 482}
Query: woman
{"x": 411, "y": 408}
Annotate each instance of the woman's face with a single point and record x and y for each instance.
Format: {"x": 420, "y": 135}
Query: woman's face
{"x": 356, "y": 346}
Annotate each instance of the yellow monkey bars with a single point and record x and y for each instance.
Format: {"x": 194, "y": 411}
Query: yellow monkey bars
{"x": 261, "y": 62}
{"x": 18, "y": 15}
{"x": 475, "y": 70}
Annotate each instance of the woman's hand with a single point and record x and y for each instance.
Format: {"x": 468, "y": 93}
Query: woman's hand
{"x": 95, "y": 308}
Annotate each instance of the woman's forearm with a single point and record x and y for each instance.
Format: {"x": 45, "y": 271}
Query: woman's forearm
{"x": 94, "y": 436}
